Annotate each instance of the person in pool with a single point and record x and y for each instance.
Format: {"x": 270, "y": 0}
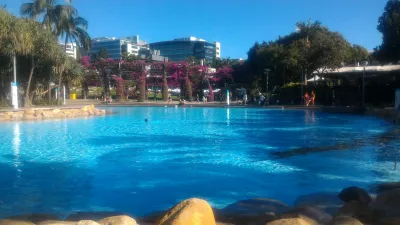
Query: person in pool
{"x": 169, "y": 98}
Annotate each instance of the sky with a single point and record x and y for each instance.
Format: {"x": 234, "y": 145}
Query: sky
{"x": 236, "y": 24}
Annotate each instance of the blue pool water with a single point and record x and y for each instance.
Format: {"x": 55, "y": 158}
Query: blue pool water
{"x": 121, "y": 163}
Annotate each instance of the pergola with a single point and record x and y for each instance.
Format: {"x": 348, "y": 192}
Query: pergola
{"x": 384, "y": 74}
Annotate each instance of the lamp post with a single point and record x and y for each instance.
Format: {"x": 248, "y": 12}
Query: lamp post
{"x": 14, "y": 85}
{"x": 266, "y": 72}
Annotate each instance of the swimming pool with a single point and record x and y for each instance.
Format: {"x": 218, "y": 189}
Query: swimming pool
{"x": 122, "y": 163}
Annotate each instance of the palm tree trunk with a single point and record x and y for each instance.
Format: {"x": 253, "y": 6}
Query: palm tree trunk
{"x": 165, "y": 85}
{"x": 142, "y": 89}
{"x": 27, "y": 101}
{"x": 188, "y": 87}
{"x": 210, "y": 92}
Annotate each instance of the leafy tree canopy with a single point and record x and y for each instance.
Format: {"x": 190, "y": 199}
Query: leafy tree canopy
{"x": 389, "y": 26}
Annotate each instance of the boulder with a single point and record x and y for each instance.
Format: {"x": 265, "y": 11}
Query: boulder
{"x": 39, "y": 113}
{"x": 256, "y": 206}
{"x": 251, "y": 219}
{"x": 56, "y": 222}
{"x": 311, "y": 212}
{"x": 96, "y": 216}
{"x": 47, "y": 114}
{"x": 4, "y": 117}
{"x": 28, "y": 117}
{"x": 357, "y": 210}
{"x": 389, "y": 221}
{"x": 345, "y": 220}
{"x": 387, "y": 186}
{"x": 17, "y": 116}
{"x": 326, "y": 201}
{"x": 355, "y": 194}
{"x": 303, "y": 220}
{"x": 34, "y": 218}
{"x": 189, "y": 212}
{"x": 9, "y": 113}
{"x": 118, "y": 220}
{"x": 387, "y": 204}
{"x": 87, "y": 222}
{"x": 55, "y": 111}
{"x": 29, "y": 112}
{"x": 14, "y": 222}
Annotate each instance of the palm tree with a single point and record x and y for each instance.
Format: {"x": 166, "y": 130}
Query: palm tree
{"x": 53, "y": 12}
{"x": 74, "y": 28}
{"x": 34, "y": 9}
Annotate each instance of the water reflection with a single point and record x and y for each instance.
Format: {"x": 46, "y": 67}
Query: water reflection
{"x": 309, "y": 117}
{"x": 16, "y": 146}
{"x": 228, "y": 116}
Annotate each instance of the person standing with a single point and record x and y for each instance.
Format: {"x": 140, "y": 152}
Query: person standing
{"x": 312, "y": 100}
{"x": 245, "y": 98}
{"x": 306, "y": 99}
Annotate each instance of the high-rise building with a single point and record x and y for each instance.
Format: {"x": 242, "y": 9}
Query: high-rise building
{"x": 117, "y": 46}
{"x": 71, "y": 49}
{"x": 182, "y": 48}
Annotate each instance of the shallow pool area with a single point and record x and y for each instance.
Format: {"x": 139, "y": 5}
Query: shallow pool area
{"x": 122, "y": 163}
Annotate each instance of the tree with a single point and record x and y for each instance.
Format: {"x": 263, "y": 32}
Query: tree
{"x": 45, "y": 48}
{"x": 311, "y": 48}
{"x": 129, "y": 57}
{"x": 101, "y": 54}
{"x": 357, "y": 53}
{"x": 74, "y": 28}
{"x": 389, "y": 26}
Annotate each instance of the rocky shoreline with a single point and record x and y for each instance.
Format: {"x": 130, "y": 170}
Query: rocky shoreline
{"x": 352, "y": 206}
{"x": 51, "y": 113}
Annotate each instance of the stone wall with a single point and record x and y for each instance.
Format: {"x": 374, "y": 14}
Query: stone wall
{"x": 41, "y": 114}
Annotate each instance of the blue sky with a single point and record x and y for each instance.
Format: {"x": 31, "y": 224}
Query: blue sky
{"x": 237, "y": 24}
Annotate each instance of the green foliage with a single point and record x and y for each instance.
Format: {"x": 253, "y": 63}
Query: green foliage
{"x": 40, "y": 59}
{"x": 357, "y": 54}
{"x": 389, "y": 26}
{"x": 129, "y": 57}
{"x": 101, "y": 54}
{"x": 312, "y": 47}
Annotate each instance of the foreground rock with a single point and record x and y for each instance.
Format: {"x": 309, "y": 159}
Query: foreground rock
{"x": 39, "y": 114}
{"x": 56, "y": 222}
{"x": 327, "y": 202}
{"x": 357, "y": 210}
{"x": 247, "y": 219}
{"x": 345, "y": 220}
{"x": 355, "y": 194}
{"x": 387, "y": 186}
{"x": 256, "y": 206}
{"x": 301, "y": 220}
{"x": 14, "y": 222}
{"x": 189, "y": 212}
{"x": 118, "y": 220}
{"x": 315, "y": 214}
{"x": 34, "y": 218}
{"x": 96, "y": 216}
{"x": 387, "y": 204}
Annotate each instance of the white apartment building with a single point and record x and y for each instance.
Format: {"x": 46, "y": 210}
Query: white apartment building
{"x": 70, "y": 50}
